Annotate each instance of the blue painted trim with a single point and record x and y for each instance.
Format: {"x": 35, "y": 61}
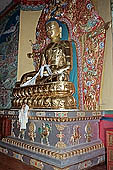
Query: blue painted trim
{"x": 73, "y": 74}
{"x": 31, "y": 8}
{"x": 107, "y": 119}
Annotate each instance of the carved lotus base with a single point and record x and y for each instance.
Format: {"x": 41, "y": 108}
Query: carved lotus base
{"x": 54, "y": 95}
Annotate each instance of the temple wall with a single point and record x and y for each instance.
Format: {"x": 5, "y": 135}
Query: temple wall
{"x": 103, "y": 8}
{"x": 28, "y": 22}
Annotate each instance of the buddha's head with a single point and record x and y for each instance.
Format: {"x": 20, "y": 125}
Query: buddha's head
{"x": 56, "y": 30}
{"x": 53, "y": 30}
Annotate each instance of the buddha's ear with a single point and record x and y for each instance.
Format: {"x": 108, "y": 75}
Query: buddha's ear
{"x": 60, "y": 32}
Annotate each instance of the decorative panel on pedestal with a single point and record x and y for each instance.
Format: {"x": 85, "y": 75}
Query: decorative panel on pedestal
{"x": 57, "y": 139}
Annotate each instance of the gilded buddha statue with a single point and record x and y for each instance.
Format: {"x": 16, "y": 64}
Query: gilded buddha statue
{"x": 50, "y": 86}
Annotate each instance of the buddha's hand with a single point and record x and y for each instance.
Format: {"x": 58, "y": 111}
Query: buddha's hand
{"x": 60, "y": 71}
{"x": 47, "y": 67}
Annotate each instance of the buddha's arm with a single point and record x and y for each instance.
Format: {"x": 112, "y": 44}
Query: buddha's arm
{"x": 43, "y": 60}
{"x": 27, "y": 76}
{"x": 67, "y": 55}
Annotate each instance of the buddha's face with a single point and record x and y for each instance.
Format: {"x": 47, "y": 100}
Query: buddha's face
{"x": 52, "y": 29}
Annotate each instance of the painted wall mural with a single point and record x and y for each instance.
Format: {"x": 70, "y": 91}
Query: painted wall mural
{"x": 9, "y": 36}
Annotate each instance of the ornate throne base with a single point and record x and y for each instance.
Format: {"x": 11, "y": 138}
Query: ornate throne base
{"x": 56, "y": 140}
{"x": 53, "y": 95}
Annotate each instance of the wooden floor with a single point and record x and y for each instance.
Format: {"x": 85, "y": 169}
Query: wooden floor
{"x": 8, "y": 163}
{"x": 99, "y": 167}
